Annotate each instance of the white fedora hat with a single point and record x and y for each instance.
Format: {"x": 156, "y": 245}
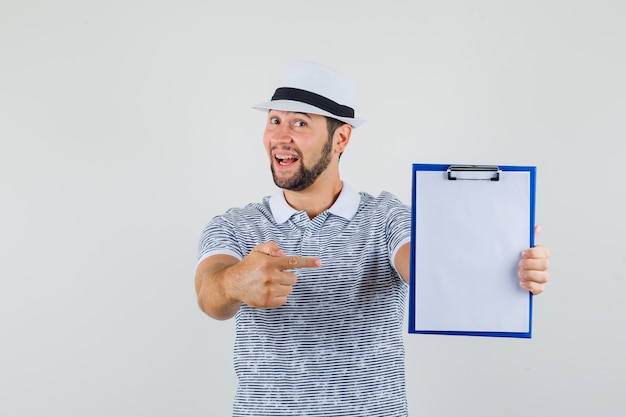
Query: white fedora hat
{"x": 309, "y": 87}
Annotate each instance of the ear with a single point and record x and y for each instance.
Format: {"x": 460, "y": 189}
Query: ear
{"x": 342, "y": 137}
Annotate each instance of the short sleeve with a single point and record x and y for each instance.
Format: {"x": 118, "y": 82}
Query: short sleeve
{"x": 218, "y": 238}
{"x": 398, "y": 226}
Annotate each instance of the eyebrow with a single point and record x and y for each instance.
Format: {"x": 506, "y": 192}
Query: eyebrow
{"x": 296, "y": 112}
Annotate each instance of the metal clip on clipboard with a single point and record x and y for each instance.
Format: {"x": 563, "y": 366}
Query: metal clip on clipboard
{"x": 474, "y": 172}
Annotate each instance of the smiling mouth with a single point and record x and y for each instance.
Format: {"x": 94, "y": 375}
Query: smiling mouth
{"x": 285, "y": 160}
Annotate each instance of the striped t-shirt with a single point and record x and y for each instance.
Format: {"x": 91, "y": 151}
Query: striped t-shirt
{"x": 335, "y": 348}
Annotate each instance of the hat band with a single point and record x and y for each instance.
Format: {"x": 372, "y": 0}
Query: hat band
{"x": 321, "y": 102}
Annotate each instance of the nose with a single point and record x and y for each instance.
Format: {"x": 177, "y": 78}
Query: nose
{"x": 280, "y": 134}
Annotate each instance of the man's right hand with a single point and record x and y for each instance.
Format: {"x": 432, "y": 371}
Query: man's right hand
{"x": 262, "y": 279}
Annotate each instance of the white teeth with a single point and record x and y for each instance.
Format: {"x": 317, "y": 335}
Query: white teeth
{"x": 286, "y": 159}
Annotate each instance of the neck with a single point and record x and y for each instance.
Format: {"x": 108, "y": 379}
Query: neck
{"x": 317, "y": 198}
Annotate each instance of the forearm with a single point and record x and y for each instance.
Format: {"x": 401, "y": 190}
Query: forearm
{"x": 211, "y": 289}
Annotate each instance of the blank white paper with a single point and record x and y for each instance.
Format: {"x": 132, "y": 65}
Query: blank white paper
{"x": 468, "y": 239}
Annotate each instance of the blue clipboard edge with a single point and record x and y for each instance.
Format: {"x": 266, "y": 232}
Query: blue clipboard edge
{"x": 532, "y": 170}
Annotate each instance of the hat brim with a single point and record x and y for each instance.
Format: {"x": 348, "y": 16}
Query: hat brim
{"x": 298, "y": 106}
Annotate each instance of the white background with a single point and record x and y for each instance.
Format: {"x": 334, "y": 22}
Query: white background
{"x": 126, "y": 125}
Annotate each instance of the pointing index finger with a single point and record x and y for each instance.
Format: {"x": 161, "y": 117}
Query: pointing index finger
{"x": 291, "y": 262}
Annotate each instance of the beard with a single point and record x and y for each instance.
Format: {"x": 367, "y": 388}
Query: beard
{"x": 305, "y": 177}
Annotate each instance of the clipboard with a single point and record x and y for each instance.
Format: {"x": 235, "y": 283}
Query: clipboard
{"x": 469, "y": 226}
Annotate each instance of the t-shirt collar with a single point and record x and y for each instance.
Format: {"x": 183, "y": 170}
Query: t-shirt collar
{"x": 345, "y": 206}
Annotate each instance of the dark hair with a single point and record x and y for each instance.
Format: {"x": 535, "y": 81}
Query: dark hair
{"x": 333, "y": 125}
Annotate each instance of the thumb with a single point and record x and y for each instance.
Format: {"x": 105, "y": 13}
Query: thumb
{"x": 537, "y": 233}
{"x": 269, "y": 248}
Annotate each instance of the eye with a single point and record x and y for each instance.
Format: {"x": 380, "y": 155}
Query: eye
{"x": 299, "y": 123}
{"x": 274, "y": 121}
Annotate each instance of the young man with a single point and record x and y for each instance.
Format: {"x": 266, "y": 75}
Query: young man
{"x": 317, "y": 274}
